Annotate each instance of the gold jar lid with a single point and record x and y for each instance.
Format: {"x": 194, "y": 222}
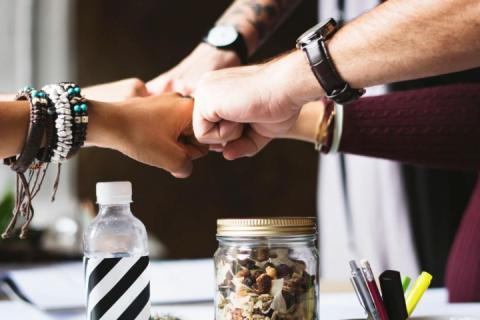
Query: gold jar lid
{"x": 282, "y": 226}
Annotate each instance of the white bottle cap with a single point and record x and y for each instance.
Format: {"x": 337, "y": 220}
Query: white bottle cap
{"x": 114, "y": 192}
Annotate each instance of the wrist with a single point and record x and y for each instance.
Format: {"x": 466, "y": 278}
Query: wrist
{"x": 306, "y": 125}
{"x": 294, "y": 79}
{"x": 219, "y": 58}
{"x": 104, "y": 124}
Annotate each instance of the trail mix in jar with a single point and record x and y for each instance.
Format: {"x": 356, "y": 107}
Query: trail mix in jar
{"x": 265, "y": 284}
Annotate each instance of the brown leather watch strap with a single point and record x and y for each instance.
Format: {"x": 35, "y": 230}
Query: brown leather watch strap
{"x": 326, "y": 73}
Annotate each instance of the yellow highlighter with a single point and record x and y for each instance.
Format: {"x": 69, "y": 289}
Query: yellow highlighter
{"x": 418, "y": 289}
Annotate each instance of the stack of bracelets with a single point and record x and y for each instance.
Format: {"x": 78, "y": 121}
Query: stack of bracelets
{"x": 57, "y": 131}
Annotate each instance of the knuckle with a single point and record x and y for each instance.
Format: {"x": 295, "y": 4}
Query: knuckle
{"x": 135, "y": 86}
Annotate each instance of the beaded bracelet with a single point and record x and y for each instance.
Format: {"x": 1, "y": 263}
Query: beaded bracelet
{"x": 27, "y": 188}
{"x": 79, "y": 110}
{"x": 63, "y": 122}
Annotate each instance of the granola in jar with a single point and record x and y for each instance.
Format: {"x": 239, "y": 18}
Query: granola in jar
{"x": 267, "y": 275}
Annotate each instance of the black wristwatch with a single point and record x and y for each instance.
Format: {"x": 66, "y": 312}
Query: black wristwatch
{"x": 225, "y": 37}
{"x": 313, "y": 43}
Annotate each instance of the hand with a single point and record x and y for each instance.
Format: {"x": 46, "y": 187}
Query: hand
{"x": 117, "y": 91}
{"x": 267, "y": 97}
{"x": 153, "y": 130}
{"x": 184, "y": 77}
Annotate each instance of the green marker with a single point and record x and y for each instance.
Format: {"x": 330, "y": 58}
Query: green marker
{"x": 405, "y": 283}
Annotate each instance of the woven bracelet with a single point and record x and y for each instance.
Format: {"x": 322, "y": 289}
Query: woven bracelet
{"x": 27, "y": 188}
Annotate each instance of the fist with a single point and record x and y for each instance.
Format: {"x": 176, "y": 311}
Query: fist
{"x": 239, "y": 110}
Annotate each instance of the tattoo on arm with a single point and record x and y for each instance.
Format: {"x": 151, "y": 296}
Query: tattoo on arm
{"x": 263, "y": 15}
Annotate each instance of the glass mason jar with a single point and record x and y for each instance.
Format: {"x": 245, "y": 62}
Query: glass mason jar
{"x": 266, "y": 269}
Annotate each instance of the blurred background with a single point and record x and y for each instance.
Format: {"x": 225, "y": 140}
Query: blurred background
{"x": 92, "y": 42}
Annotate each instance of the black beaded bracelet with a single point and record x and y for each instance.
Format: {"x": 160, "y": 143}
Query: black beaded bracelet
{"x": 45, "y": 153}
{"x": 79, "y": 109}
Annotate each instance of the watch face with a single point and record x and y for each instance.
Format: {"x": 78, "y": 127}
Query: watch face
{"x": 221, "y": 36}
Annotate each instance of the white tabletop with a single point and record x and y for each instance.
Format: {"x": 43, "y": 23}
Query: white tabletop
{"x": 336, "y": 300}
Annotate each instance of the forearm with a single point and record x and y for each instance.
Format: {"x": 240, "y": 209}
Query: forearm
{"x": 256, "y": 19}
{"x": 408, "y": 39}
{"x": 103, "y": 128}
{"x": 398, "y": 40}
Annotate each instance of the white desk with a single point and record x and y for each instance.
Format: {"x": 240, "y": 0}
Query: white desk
{"x": 333, "y": 306}
{"x": 337, "y": 301}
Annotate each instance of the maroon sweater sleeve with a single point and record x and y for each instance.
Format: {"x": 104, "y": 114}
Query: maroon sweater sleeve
{"x": 436, "y": 127}
{"x": 463, "y": 270}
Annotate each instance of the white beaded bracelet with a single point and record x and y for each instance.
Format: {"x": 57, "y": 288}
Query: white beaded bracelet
{"x": 63, "y": 123}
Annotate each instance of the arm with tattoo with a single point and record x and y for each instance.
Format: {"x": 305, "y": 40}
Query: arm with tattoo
{"x": 257, "y": 19}
{"x": 254, "y": 19}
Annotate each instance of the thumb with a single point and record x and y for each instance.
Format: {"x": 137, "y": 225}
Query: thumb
{"x": 247, "y": 146}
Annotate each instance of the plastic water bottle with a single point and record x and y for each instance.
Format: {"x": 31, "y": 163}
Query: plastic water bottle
{"x": 116, "y": 258}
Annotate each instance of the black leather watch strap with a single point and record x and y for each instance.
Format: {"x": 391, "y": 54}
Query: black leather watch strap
{"x": 326, "y": 73}
{"x": 240, "y": 48}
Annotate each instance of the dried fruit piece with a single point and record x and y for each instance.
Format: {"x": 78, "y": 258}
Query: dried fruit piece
{"x": 243, "y": 273}
{"x": 261, "y": 254}
{"x": 284, "y": 271}
{"x": 248, "y": 281}
{"x": 263, "y": 283}
{"x": 247, "y": 263}
{"x": 271, "y": 272}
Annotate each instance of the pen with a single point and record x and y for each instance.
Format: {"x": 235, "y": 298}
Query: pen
{"x": 372, "y": 286}
{"x": 357, "y": 279}
{"x": 418, "y": 289}
{"x": 392, "y": 293}
{"x": 405, "y": 283}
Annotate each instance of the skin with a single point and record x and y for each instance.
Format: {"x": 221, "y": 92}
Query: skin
{"x": 153, "y": 130}
{"x": 254, "y": 19}
{"x": 239, "y": 110}
{"x": 306, "y": 125}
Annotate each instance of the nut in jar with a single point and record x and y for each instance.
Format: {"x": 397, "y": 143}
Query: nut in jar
{"x": 266, "y": 269}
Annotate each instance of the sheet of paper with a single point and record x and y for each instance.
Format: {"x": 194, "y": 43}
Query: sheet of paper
{"x": 171, "y": 282}
{"x": 434, "y": 303}
{"x": 20, "y": 310}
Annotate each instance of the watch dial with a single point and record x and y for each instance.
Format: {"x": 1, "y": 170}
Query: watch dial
{"x": 221, "y": 36}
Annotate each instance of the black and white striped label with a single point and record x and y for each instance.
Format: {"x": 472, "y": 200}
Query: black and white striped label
{"x": 117, "y": 288}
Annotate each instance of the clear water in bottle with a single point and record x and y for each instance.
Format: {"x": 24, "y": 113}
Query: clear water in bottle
{"x": 116, "y": 258}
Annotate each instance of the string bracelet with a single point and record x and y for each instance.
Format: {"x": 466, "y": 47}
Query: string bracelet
{"x": 27, "y": 169}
